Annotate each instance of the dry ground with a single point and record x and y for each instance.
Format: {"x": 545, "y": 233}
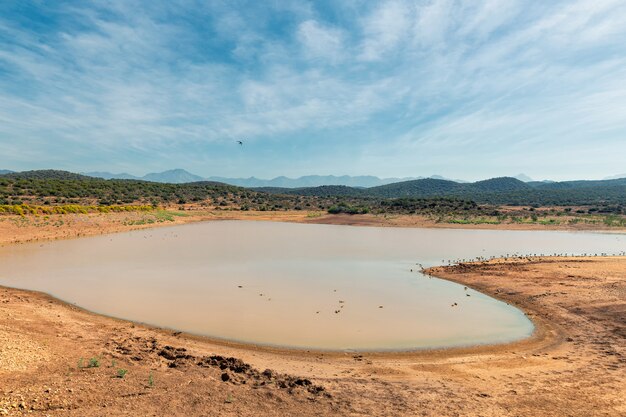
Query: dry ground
{"x": 574, "y": 365}
{"x": 19, "y": 229}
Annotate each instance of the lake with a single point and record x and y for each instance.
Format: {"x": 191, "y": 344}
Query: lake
{"x": 292, "y": 285}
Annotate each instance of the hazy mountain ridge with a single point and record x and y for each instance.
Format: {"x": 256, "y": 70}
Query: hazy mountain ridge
{"x": 172, "y": 176}
{"x": 179, "y": 176}
{"x": 364, "y": 181}
{"x": 523, "y": 177}
{"x": 110, "y": 176}
{"x": 615, "y": 177}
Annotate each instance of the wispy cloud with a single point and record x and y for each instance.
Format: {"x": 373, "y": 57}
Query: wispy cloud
{"x": 472, "y": 84}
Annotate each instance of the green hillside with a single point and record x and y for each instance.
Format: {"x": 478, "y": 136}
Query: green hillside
{"x": 46, "y": 174}
{"x": 496, "y": 191}
{"x": 61, "y": 187}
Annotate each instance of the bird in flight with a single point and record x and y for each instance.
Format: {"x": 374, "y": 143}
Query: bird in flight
{"x": 240, "y": 142}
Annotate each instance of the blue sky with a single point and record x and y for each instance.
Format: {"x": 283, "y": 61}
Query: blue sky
{"x": 466, "y": 89}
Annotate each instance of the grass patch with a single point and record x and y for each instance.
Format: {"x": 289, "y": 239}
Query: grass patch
{"x": 168, "y": 216}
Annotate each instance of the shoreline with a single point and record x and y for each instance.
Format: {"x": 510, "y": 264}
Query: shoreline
{"x": 574, "y": 303}
{"x": 20, "y": 229}
{"x": 337, "y": 372}
{"x": 537, "y": 336}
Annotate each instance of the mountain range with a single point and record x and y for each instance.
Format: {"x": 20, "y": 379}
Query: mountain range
{"x": 615, "y": 177}
{"x": 180, "y": 176}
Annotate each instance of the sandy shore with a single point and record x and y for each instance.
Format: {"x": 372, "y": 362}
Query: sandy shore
{"x": 19, "y": 229}
{"x": 574, "y": 365}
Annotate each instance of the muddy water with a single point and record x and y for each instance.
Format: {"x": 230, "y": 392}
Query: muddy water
{"x": 302, "y": 286}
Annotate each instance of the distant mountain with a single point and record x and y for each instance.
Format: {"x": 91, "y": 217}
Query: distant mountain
{"x": 616, "y": 177}
{"x": 360, "y": 181}
{"x": 178, "y": 176}
{"x": 5, "y": 171}
{"x": 110, "y": 176}
{"x": 523, "y": 177}
{"x": 310, "y": 181}
{"x": 437, "y": 177}
{"x": 173, "y": 176}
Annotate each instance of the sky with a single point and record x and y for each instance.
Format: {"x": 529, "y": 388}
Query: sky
{"x": 465, "y": 89}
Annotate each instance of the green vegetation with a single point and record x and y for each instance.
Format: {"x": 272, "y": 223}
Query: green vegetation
{"x": 494, "y": 201}
{"x": 93, "y": 363}
{"x": 121, "y": 373}
{"x": 608, "y": 196}
{"x": 24, "y": 209}
{"x": 347, "y": 209}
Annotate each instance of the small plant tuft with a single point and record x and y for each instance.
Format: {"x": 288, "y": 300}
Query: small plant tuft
{"x": 121, "y": 373}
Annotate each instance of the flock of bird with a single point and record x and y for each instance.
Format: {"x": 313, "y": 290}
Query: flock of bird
{"x": 460, "y": 261}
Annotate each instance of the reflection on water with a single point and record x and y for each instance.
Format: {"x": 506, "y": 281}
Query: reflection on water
{"x": 305, "y": 286}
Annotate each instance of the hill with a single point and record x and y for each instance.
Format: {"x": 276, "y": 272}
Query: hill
{"x": 498, "y": 191}
{"x": 5, "y": 171}
{"x": 46, "y": 174}
{"x": 59, "y": 188}
{"x": 428, "y": 187}
{"x": 498, "y": 185}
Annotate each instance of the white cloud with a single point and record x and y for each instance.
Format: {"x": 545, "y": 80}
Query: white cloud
{"x": 385, "y": 28}
{"x": 433, "y": 22}
{"x": 321, "y": 42}
{"x": 470, "y": 77}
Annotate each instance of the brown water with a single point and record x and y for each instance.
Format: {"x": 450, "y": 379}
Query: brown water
{"x": 302, "y": 286}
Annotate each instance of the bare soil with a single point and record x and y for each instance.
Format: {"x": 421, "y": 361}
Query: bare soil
{"x": 574, "y": 365}
{"x": 20, "y": 229}
{"x": 57, "y": 359}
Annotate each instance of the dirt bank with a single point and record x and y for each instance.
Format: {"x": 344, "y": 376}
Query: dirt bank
{"x": 575, "y": 365}
{"x": 18, "y": 229}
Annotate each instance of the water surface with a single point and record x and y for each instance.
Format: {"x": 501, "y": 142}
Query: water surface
{"x": 293, "y": 285}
